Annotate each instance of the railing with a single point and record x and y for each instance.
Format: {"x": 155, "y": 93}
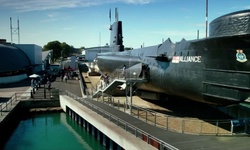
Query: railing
{"x": 6, "y": 105}
{"x": 123, "y": 124}
{"x": 171, "y": 123}
{"x": 53, "y": 94}
{"x": 178, "y": 124}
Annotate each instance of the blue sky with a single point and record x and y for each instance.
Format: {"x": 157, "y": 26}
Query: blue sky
{"x": 86, "y": 22}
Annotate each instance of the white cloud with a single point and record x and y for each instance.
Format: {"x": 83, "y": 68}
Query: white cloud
{"x": 247, "y": 7}
{"x": 34, "y": 5}
{"x": 137, "y": 1}
{"x": 54, "y": 16}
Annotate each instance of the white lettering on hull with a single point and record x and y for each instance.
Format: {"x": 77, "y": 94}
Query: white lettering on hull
{"x": 186, "y": 59}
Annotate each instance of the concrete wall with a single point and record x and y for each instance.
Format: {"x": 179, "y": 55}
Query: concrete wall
{"x": 117, "y": 134}
{"x": 13, "y": 79}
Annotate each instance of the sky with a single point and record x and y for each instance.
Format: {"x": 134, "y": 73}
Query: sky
{"x": 85, "y": 23}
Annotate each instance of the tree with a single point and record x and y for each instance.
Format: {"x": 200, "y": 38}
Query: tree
{"x": 59, "y": 49}
{"x": 65, "y": 49}
{"x": 55, "y": 46}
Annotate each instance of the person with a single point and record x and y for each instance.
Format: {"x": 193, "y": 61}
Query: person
{"x": 65, "y": 78}
{"x": 101, "y": 82}
{"x": 32, "y": 83}
{"x": 62, "y": 75}
{"x": 49, "y": 84}
{"x": 106, "y": 79}
{"x": 35, "y": 84}
{"x": 123, "y": 71}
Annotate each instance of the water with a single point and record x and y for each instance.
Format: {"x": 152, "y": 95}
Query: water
{"x": 51, "y": 131}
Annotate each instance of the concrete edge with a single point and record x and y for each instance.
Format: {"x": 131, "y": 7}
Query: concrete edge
{"x": 117, "y": 134}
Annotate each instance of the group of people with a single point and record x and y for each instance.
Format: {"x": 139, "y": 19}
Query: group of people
{"x": 66, "y": 74}
{"x": 45, "y": 79}
{"x": 104, "y": 80}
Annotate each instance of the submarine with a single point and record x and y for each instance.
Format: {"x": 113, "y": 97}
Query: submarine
{"x": 213, "y": 70}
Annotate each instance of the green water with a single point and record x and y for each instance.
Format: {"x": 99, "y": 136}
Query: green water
{"x": 51, "y": 131}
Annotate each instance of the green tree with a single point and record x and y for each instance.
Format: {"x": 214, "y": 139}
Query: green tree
{"x": 65, "y": 49}
{"x": 59, "y": 49}
{"x": 55, "y": 46}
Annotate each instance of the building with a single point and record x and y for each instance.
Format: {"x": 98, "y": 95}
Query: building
{"x": 46, "y": 59}
{"x": 15, "y": 64}
{"x": 34, "y": 52}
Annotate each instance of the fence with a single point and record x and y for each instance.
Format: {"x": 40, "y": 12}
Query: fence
{"x": 178, "y": 124}
{"x": 53, "y": 94}
{"x": 172, "y": 123}
{"x": 125, "y": 125}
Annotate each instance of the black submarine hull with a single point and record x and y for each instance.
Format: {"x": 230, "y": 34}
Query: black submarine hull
{"x": 214, "y": 70}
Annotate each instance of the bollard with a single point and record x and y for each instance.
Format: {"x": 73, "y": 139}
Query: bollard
{"x": 34, "y": 91}
{"x": 31, "y": 94}
{"x": 44, "y": 93}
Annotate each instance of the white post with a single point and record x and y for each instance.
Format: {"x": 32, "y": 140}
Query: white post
{"x": 131, "y": 92}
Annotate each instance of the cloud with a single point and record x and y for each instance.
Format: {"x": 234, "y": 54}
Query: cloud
{"x": 37, "y": 5}
{"x": 247, "y": 7}
{"x": 54, "y": 16}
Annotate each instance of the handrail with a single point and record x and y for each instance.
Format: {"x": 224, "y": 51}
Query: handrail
{"x": 163, "y": 144}
{"x": 16, "y": 97}
{"x": 4, "y": 106}
{"x": 216, "y": 127}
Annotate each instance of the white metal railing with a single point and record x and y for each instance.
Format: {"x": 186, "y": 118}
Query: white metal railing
{"x": 181, "y": 125}
{"x": 125, "y": 125}
{"x": 21, "y": 96}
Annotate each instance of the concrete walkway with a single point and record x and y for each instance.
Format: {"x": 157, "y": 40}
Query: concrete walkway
{"x": 72, "y": 86}
{"x": 178, "y": 140}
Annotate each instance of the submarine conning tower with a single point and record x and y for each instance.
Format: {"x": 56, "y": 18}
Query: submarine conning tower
{"x": 116, "y": 38}
{"x": 236, "y": 23}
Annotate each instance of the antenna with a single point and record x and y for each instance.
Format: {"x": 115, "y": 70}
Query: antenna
{"x": 206, "y": 16}
{"x": 198, "y": 34}
{"x": 116, "y": 15}
{"x": 14, "y": 31}
{"x": 110, "y": 16}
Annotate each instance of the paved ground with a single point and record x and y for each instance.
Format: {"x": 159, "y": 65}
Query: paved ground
{"x": 71, "y": 85}
{"x": 7, "y": 90}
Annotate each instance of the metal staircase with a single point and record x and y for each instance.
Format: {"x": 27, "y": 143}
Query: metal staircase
{"x": 116, "y": 79}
